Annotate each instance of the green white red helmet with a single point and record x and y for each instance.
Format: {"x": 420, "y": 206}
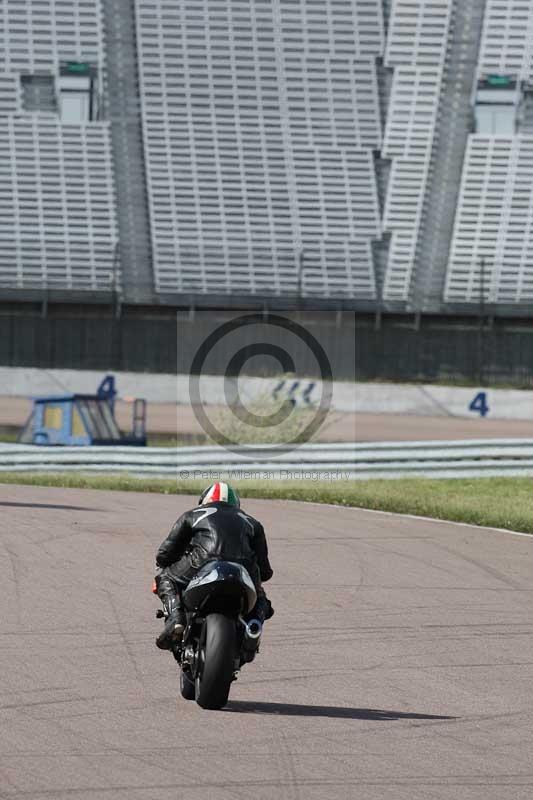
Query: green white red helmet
{"x": 220, "y": 493}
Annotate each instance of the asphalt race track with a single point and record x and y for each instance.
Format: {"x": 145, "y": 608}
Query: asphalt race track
{"x": 399, "y": 664}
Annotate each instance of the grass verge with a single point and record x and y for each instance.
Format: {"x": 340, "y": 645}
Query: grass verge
{"x": 493, "y": 502}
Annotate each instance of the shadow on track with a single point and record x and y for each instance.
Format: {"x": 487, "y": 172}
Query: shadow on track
{"x": 334, "y": 712}
{"x": 46, "y": 505}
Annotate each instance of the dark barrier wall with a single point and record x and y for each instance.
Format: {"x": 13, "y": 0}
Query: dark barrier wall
{"x": 88, "y": 343}
{"x": 158, "y": 341}
{"x": 152, "y": 340}
{"x": 446, "y": 349}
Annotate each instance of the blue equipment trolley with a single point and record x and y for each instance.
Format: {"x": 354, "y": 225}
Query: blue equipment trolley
{"x": 83, "y": 419}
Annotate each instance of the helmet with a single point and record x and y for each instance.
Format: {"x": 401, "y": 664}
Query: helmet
{"x": 220, "y": 493}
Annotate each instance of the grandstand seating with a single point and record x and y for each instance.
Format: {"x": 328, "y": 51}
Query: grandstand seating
{"x": 57, "y": 206}
{"x": 507, "y": 43}
{"x": 35, "y": 35}
{"x": 273, "y": 147}
{"x": 10, "y": 100}
{"x": 494, "y": 223}
{"x": 492, "y": 243}
{"x": 259, "y": 122}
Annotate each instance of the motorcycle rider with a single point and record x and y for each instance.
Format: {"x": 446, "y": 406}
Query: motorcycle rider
{"x": 215, "y": 529}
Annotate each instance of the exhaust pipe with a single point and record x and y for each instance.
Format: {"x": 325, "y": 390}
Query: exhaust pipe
{"x": 253, "y": 629}
{"x": 251, "y": 639}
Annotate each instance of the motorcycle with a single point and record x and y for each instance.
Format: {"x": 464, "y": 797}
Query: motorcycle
{"x": 219, "y": 636}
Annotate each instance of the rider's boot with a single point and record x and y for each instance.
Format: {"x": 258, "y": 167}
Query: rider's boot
{"x": 263, "y": 608}
{"x": 175, "y": 623}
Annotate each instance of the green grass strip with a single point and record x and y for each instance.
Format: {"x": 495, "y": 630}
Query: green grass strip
{"x": 493, "y": 502}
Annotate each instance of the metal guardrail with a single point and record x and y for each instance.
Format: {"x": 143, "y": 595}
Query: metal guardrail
{"x": 327, "y": 462}
{"x": 182, "y": 462}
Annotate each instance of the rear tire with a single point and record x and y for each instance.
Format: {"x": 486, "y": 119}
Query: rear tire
{"x": 213, "y": 684}
{"x": 186, "y": 686}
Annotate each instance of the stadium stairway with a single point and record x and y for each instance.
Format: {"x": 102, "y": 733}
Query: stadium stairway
{"x": 446, "y": 165}
{"x": 123, "y": 109}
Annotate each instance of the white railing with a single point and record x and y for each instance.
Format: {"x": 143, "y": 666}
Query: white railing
{"x": 314, "y": 461}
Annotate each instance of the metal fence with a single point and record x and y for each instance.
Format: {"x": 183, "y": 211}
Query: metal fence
{"x": 318, "y": 462}
{"x": 391, "y": 348}
{"x": 162, "y": 340}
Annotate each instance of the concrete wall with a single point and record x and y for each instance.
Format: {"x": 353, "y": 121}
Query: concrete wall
{"x": 29, "y": 382}
{"x": 448, "y": 401}
{"x": 423, "y": 400}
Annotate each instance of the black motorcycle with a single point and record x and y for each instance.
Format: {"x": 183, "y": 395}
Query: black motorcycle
{"x": 219, "y": 636}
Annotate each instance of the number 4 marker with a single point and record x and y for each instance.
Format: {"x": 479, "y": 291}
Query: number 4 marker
{"x": 479, "y": 404}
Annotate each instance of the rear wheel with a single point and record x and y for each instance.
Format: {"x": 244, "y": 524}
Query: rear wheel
{"x": 218, "y": 657}
{"x": 186, "y": 686}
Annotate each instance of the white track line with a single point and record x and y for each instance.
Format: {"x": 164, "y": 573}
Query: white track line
{"x": 423, "y": 519}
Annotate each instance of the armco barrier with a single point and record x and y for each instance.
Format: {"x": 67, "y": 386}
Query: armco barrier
{"x": 315, "y": 461}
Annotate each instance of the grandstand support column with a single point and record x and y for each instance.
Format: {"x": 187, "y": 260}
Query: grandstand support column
{"x": 123, "y": 109}
{"x": 481, "y": 324}
{"x": 301, "y": 268}
{"x": 454, "y": 124}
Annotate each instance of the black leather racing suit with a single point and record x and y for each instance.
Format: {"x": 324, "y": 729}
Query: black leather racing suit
{"x": 211, "y": 531}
